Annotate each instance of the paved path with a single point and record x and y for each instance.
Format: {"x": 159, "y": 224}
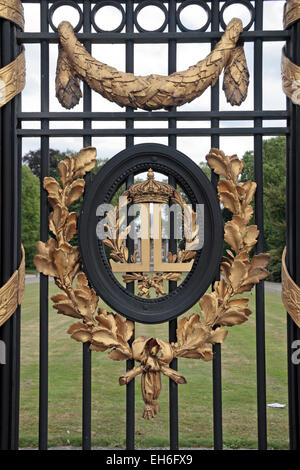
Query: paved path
{"x": 273, "y": 287}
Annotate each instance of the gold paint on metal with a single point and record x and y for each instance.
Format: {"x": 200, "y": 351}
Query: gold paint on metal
{"x": 150, "y": 191}
{"x": 109, "y": 331}
{"x": 12, "y": 82}
{"x": 290, "y": 292}
{"x": 153, "y": 91}
{"x": 290, "y": 73}
{"x": 144, "y": 193}
{"x": 12, "y": 293}
{"x": 291, "y": 13}
{"x": 174, "y": 261}
{"x": 12, "y": 10}
{"x": 118, "y": 244}
{"x": 12, "y": 79}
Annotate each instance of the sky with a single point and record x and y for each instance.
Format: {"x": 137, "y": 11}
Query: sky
{"x": 152, "y": 58}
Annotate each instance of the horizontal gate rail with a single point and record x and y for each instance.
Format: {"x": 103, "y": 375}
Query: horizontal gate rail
{"x": 157, "y": 116}
{"x": 154, "y": 132}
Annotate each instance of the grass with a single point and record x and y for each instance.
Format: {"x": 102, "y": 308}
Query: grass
{"x": 195, "y": 398}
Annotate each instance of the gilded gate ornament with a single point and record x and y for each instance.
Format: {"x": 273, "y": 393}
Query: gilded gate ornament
{"x": 291, "y": 13}
{"x": 154, "y": 91}
{"x": 290, "y": 72}
{"x": 12, "y": 76}
{"x": 290, "y": 292}
{"x": 291, "y": 86}
{"x": 12, "y": 82}
{"x": 12, "y": 10}
{"x": 12, "y": 293}
{"x": 109, "y": 331}
{"x": 144, "y": 193}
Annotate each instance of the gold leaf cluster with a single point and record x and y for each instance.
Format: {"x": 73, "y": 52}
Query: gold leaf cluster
{"x": 109, "y": 331}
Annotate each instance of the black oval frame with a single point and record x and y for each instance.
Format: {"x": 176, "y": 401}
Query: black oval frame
{"x": 198, "y": 188}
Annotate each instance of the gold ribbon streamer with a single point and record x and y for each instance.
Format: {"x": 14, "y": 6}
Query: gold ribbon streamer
{"x": 290, "y": 292}
{"x": 12, "y": 10}
{"x": 12, "y": 79}
{"x": 291, "y": 13}
{"x": 12, "y": 293}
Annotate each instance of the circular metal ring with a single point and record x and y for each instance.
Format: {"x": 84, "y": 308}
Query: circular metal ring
{"x": 200, "y": 3}
{"x": 62, "y": 3}
{"x": 105, "y": 4}
{"x": 150, "y": 3}
{"x": 247, "y": 4}
{"x": 170, "y": 162}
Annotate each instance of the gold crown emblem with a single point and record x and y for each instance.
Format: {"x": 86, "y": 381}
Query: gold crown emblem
{"x": 150, "y": 190}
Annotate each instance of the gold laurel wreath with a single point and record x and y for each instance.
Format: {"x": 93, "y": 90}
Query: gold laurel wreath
{"x": 154, "y": 91}
{"x": 109, "y": 331}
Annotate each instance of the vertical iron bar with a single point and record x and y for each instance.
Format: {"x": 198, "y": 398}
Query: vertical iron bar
{"x": 86, "y": 352}
{"x": 259, "y": 219}
{"x": 17, "y": 218}
{"x": 9, "y": 250}
{"x": 217, "y": 359}
{"x": 173, "y": 388}
{"x": 292, "y": 243}
{"x": 44, "y": 211}
{"x": 130, "y": 388}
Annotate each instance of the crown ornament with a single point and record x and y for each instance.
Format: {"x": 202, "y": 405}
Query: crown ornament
{"x": 150, "y": 191}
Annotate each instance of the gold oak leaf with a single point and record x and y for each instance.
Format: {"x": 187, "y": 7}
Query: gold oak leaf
{"x": 54, "y": 191}
{"x": 44, "y": 260}
{"x": 66, "y": 260}
{"x": 113, "y": 332}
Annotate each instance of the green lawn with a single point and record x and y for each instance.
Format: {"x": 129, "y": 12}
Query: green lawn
{"x": 195, "y": 398}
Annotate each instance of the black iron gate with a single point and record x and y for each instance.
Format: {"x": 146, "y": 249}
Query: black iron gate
{"x": 13, "y": 116}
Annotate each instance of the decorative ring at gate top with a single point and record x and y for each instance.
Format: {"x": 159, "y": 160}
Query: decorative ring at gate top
{"x": 100, "y": 269}
{"x": 12, "y": 10}
{"x": 291, "y": 13}
{"x": 114, "y": 4}
{"x": 185, "y": 4}
{"x": 246, "y": 3}
{"x": 149, "y": 3}
{"x": 65, "y": 3}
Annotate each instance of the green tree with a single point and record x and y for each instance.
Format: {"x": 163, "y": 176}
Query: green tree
{"x": 30, "y": 214}
{"x": 33, "y": 160}
{"x": 274, "y": 167}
